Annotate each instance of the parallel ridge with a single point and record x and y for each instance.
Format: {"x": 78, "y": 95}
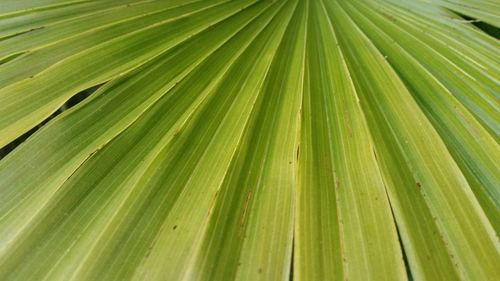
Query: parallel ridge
{"x": 249, "y": 140}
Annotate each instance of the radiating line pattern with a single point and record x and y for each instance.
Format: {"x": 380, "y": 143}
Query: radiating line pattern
{"x": 250, "y": 140}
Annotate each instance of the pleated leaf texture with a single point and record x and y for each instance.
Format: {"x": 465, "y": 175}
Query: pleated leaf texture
{"x": 250, "y": 140}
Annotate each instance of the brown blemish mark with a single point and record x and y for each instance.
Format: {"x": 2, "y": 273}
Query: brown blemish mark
{"x": 467, "y": 120}
{"x": 175, "y": 226}
{"x": 214, "y": 200}
{"x": 391, "y": 18}
{"x": 347, "y": 120}
{"x": 245, "y": 208}
{"x": 36, "y": 28}
{"x": 153, "y": 243}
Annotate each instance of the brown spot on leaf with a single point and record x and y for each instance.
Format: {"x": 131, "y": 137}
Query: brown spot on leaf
{"x": 245, "y": 209}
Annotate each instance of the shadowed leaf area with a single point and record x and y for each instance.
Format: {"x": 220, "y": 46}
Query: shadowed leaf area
{"x": 249, "y": 140}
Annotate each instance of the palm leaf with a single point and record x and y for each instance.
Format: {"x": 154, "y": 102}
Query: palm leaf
{"x": 249, "y": 140}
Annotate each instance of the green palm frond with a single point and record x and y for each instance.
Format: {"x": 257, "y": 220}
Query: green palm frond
{"x": 250, "y": 140}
